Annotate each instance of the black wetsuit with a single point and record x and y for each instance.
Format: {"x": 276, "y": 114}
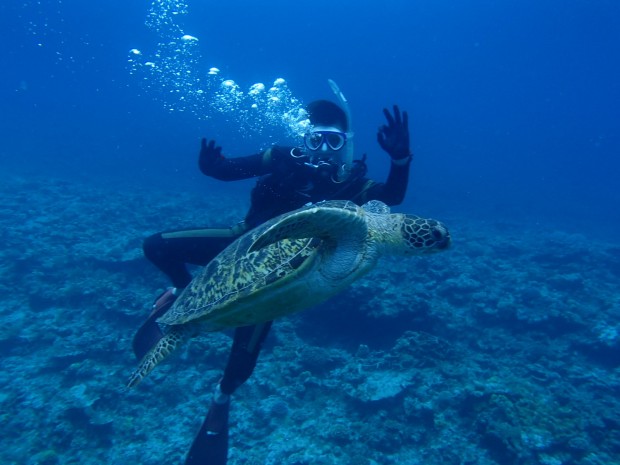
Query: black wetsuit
{"x": 286, "y": 183}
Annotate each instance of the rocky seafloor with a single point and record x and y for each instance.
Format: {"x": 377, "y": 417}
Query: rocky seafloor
{"x": 503, "y": 350}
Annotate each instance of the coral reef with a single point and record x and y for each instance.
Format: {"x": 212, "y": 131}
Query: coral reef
{"x": 498, "y": 352}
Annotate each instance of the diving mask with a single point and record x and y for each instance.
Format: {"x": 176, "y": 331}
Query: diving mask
{"x": 334, "y": 140}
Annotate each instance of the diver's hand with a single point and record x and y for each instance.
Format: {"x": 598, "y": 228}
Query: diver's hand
{"x": 209, "y": 155}
{"x": 394, "y": 138}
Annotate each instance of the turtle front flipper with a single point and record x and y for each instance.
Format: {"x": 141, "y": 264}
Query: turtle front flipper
{"x": 323, "y": 221}
{"x": 164, "y": 347}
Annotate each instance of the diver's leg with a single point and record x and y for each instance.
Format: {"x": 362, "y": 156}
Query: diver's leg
{"x": 170, "y": 251}
{"x": 211, "y": 443}
{"x": 246, "y": 347}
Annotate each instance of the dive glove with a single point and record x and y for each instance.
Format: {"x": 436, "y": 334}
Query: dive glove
{"x": 394, "y": 137}
{"x": 209, "y": 154}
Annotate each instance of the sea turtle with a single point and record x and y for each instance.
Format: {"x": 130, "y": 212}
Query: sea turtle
{"x": 290, "y": 263}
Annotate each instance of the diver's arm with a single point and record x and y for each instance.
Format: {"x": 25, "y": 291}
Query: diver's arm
{"x": 395, "y": 188}
{"x": 212, "y": 163}
{"x": 394, "y": 140}
{"x": 392, "y": 191}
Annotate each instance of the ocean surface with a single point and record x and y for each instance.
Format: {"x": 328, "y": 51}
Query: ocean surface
{"x": 503, "y": 350}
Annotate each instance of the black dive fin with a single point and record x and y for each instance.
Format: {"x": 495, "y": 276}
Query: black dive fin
{"x": 150, "y": 333}
{"x": 210, "y": 446}
{"x": 146, "y": 337}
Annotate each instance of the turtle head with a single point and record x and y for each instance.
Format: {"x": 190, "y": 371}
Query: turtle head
{"x": 423, "y": 235}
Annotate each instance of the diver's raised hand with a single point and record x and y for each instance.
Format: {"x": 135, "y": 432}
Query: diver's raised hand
{"x": 394, "y": 137}
{"x": 209, "y": 155}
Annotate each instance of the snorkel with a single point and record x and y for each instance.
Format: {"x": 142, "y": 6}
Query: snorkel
{"x": 347, "y": 159}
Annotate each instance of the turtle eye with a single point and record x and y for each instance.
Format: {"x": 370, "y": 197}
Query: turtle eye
{"x": 440, "y": 235}
{"x": 437, "y": 233}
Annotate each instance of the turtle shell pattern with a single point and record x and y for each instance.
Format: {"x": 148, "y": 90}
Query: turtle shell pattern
{"x": 236, "y": 275}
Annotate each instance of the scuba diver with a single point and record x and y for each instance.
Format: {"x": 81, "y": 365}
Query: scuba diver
{"x": 322, "y": 168}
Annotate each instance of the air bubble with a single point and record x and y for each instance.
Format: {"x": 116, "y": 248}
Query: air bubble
{"x": 175, "y": 75}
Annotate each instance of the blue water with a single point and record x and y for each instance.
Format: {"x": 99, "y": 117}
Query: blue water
{"x": 513, "y": 107}
{"x": 514, "y": 125}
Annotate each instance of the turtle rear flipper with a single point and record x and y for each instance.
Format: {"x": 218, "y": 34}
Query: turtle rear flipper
{"x": 164, "y": 347}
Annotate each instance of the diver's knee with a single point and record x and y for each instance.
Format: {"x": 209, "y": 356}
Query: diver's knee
{"x": 152, "y": 247}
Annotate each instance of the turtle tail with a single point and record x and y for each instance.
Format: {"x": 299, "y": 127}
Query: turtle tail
{"x": 164, "y": 347}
